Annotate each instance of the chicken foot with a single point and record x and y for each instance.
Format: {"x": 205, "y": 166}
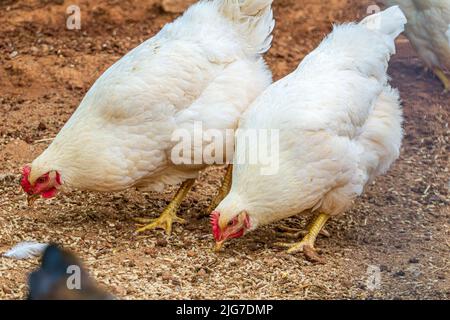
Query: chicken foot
{"x": 307, "y": 244}
{"x": 443, "y": 77}
{"x": 169, "y": 215}
{"x": 223, "y": 191}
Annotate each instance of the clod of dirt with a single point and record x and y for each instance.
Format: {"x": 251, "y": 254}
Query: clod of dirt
{"x": 413, "y": 260}
{"x": 41, "y": 126}
{"x": 161, "y": 242}
{"x": 400, "y": 273}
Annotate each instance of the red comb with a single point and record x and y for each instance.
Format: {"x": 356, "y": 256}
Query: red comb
{"x": 24, "y": 182}
{"x": 215, "y": 215}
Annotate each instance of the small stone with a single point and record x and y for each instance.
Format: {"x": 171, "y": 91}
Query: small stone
{"x": 176, "y": 282}
{"x": 384, "y": 268}
{"x": 41, "y": 126}
{"x": 166, "y": 276}
{"x": 191, "y": 253}
{"x": 6, "y": 290}
{"x": 45, "y": 48}
{"x": 150, "y": 251}
{"x": 130, "y": 264}
{"x": 202, "y": 272}
{"x": 400, "y": 273}
{"x": 13, "y": 54}
{"x": 161, "y": 242}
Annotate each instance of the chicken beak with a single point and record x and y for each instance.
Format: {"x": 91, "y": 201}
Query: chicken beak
{"x": 219, "y": 245}
{"x": 31, "y": 199}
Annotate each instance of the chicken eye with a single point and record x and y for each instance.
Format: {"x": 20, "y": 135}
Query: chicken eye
{"x": 41, "y": 180}
{"x": 231, "y": 223}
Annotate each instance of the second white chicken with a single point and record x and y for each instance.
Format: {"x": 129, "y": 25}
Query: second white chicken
{"x": 339, "y": 124}
{"x": 428, "y": 29}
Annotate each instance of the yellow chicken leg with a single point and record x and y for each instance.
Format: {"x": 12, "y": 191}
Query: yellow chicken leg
{"x": 169, "y": 215}
{"x": 224, "y": 190}
{"x": 295, "y": 233}
{"x": 443, "y": 77}
{"x": 307, "y": 244}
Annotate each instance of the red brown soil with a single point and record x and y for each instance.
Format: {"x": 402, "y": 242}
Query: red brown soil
{"x": 400, "y": 225}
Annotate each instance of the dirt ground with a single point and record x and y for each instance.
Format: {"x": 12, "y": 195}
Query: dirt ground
{"x": 400, "y": 225}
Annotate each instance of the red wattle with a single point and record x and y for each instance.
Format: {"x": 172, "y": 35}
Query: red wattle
{"x": 49, "y": 193}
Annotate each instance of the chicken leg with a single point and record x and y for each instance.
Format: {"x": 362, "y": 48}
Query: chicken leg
{"x": 224, "y": 190}
{"x": 443, "y": 77}
{"x": 307, "y": 244}
{"x": 169, "y": 215}
{"x": 295, "y": 233}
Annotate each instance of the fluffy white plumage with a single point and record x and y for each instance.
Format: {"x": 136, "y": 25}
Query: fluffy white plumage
{"x": 428, "y": 29}
{"x": 339, "y": 126}
{"x": 205, "y": 66}
{"x": 26, "y": 250}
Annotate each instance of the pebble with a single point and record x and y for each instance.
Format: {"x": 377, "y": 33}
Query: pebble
{"x": 176, "y": 282}
{"x": 400, "y": 273}
{"x": 413, "y": 260}
{"x": 191, "y": 253}
{"x": 41, "y": 126}
{"x": 161, "y": 242}
{"x": 6, "y": 290}
{"x": 150, "y": 251}
{"x": 166, "y": 276}
{"x": 13, "y": 54}
{"x": 201, "y": 272}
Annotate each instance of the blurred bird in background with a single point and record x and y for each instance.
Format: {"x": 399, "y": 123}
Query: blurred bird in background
{"x": 52, "y": 280}
{"x": 428, "y": 29}
{"x": 206, "y": 67}
{"x": 339, "y": 124}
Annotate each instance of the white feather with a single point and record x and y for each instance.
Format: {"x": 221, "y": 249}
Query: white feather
{"x": 26, "y": 250}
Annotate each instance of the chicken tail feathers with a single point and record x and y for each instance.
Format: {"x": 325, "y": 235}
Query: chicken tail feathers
{"x": 254, "y": 18}
{"x": 390, "y": 22}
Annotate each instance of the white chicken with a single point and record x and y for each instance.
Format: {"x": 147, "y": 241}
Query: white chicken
{"x": 428, "y": 30}
{"x": 205, "y": 67}
{"x": 339, "y": 125}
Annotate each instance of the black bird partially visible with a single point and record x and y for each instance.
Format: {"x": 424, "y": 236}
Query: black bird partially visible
{"x": 62, "y": 277}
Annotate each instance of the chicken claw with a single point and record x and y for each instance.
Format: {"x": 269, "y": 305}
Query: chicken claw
{"x": 169, "y": 215}
{"x": 303, "y": 246}
{"x": 307, "y": 244}
{"x": 165, "y": 221}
